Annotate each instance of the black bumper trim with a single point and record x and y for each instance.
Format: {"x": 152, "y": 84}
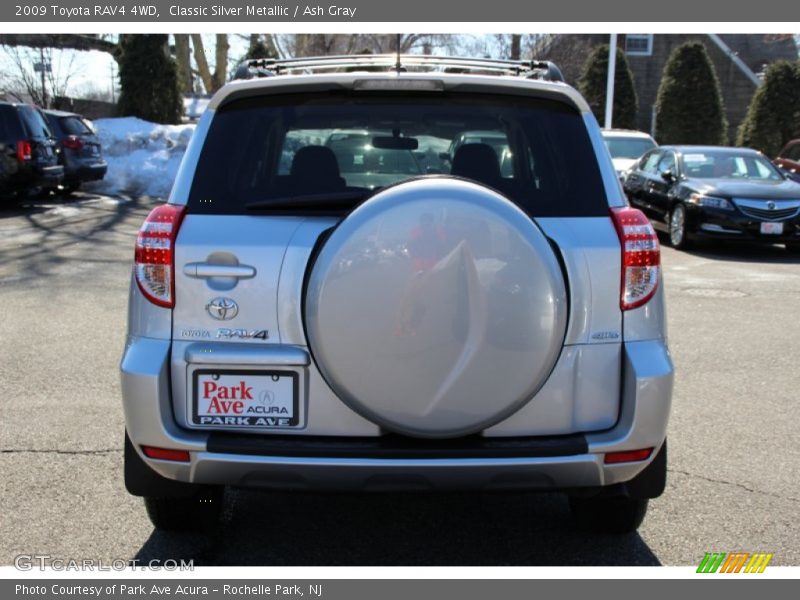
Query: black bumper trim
{"x": 396, "y": 446}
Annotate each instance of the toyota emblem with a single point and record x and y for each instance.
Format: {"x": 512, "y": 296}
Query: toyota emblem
{"x": 771, "y": 205}
{"x": 222, "y": 309}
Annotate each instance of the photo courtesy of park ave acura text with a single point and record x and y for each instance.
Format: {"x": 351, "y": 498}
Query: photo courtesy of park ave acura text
{"x": 397, "y": 299}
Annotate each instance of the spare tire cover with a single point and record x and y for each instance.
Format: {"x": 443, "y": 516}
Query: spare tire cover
{"x": 436, "y": 308}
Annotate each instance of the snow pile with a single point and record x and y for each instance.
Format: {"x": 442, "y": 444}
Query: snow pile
{"x": 143, "y": 157}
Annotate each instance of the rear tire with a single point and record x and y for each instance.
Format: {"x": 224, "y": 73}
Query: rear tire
{"x": 171, "y": 505}
{"x": 678, "y": 237}
{"x": 614, "y": 514}
{"x": 197, "y": 513}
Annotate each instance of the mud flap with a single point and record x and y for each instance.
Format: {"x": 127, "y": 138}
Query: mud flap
{"x": 141, "y": 480}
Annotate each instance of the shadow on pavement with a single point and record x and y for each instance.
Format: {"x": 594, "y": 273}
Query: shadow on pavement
{"x": 262, "y": 528}
{"x": 85, "y": 229}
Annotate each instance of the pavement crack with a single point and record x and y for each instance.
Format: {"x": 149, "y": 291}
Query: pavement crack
{"x": 733, "y": 483}
{"x": 54, "y": 451}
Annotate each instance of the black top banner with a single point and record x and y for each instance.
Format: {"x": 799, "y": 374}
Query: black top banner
{"x": 441, "y": 11}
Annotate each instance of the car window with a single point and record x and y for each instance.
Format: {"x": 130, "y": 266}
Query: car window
{"x": 355, "y": 155}
{"x": 74, "y": 126}
{"x": 497, "y": 140}
{"x": 35, "y": 125}
{"x": 5, "y": 134}
{"x": 666, "y": 163}
{"x": 11, "y": 123}
{"x": 284, "y": 146}
{"x": 621, "y": 147}
{"x": 650, "y": 162}
{"x": 793, "y": 152}
{"x": 710, "y": 164}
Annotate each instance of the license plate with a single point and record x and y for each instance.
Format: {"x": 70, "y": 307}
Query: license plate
{"x": 245, "y": 399}
{"x": 772, "y": 228}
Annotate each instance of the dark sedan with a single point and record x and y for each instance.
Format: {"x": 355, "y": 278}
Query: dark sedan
{"x": 81, "y": 154}
{"x": 711, "y": 192}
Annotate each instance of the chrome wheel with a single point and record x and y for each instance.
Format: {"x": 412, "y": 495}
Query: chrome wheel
{"x": 677, "y": 227}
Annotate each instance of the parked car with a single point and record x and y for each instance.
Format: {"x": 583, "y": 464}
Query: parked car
{"x": 497, "y": 140}
{"x": 626, "y": 147}
{"x": 81, "y": 154}
{"x": 28, "y": 152}
{"x": 293, "y": 328}
{"x": 365, "y": 164}
{"x": 713, "y": 192}
{"x": 788, "y": 160}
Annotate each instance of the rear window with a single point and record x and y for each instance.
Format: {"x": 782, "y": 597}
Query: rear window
{"x": 35, "y": 125}
{"x": 317, "y": 152}
{"x": 74, "y": 126}
{"x": 620, "y": 147}
{"x": 9, "y": 123}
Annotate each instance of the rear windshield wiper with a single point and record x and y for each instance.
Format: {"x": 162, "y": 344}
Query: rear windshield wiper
{"x": 325, "y": 200}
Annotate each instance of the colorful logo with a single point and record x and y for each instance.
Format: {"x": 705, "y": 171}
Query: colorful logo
{"x": 734, "y": 562}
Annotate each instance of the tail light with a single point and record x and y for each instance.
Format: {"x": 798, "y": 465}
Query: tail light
{"x": 614, "y": 458}
{"x": 166, "y": 454}
{"x": 73, "y": 142}
{"x": 155, "y": 257}
{"x": 24, "y": 150}
{"x": 641, "y": 257}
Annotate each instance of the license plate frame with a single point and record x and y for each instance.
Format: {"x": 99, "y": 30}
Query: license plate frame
{"x": 258, "y": 421}
{"x": 771, "y": 228}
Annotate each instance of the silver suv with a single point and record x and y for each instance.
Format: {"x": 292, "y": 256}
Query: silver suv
{"x": 315, "y": 316}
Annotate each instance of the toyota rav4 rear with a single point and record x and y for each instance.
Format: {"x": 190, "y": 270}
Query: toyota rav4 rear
{"x": 329, "y": 301}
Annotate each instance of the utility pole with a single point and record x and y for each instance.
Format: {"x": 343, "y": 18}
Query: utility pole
{"x": 612, "y": 73}
{"x": 113, "y": 92}
{"x": 44, "y": 89}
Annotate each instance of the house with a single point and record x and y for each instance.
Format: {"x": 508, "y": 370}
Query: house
{"x": 739, "y": 59}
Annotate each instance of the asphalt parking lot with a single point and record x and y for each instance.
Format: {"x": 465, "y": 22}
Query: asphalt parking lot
{"x": 734, "y": 443}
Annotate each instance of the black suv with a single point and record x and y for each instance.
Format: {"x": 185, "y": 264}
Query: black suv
{"x": 80, "y": 154}
{"x": 28, "y": 156}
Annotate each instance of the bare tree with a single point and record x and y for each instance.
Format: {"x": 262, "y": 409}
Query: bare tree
{"x": 516, "y": 42}
{"x": 183, "y": 59}
{"x": 62, "y": 41}
{"x": 202, "y": 64}
{"x": 295, "y": 45}
{"x": 42, "y": 86}
{"x": 220, "y": 61}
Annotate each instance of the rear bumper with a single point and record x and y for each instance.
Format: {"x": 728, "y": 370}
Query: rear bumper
{"x": 32, "y": 176}
{"x": 540, "y": 464}
{"x": 79, "y": 172}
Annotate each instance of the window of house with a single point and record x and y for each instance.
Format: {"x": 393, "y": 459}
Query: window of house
{"x": 639, "y": 44}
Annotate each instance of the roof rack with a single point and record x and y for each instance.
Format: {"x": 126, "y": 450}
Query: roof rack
{"x": 267, "y": 67}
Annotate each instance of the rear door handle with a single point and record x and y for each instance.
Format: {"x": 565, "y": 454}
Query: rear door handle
{"x": 204, "y": 270}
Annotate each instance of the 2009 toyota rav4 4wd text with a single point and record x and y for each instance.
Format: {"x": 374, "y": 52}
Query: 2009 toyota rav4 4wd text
{"x": 331, "y": 302}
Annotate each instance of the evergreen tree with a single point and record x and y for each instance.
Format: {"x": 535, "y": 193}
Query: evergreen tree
{"x": 148, "y": 80}
{"x": 773, "y": 117}
{"x": 689, "y": 107}
{"x": 593, "y": 82}
{"x": 260, "y": 50}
